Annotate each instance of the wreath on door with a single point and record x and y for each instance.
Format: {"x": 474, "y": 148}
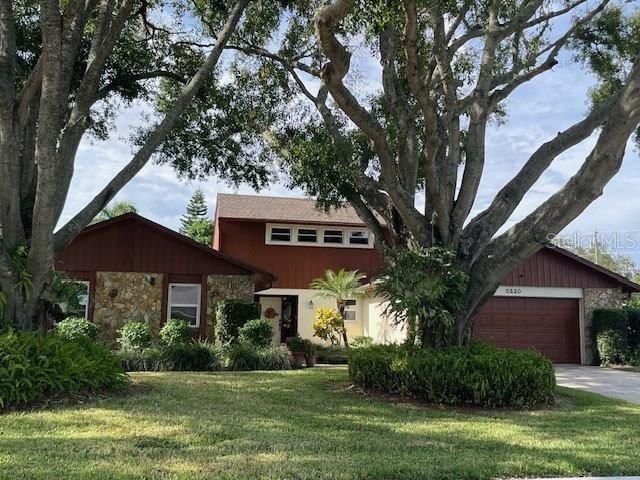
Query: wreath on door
{"x": 270, "y": 313}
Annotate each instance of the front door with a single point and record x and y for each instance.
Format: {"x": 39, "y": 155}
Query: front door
{"x": 288, "y": 318}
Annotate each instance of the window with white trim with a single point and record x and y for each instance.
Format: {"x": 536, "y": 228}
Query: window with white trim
{"x": 333, "y": 236}
{"x": 280, "y": 234}
{"x": 359, "y": 237}
{"x": 307, "y": 235}
{"x": 184, "y": 303}
{"x": 327, "y": 236}
{"x": 350, "y": 311}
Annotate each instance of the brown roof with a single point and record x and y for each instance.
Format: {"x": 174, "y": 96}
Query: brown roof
{"x": 281, "y": 209}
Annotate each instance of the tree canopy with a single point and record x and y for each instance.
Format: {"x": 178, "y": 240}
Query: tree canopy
{"x": 196, "y": 223}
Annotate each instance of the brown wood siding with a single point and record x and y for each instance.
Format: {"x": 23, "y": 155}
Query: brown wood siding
{"x": 294, "y": 266}
{"x": 547, "y": 268}
{"x": 132, "y": 246}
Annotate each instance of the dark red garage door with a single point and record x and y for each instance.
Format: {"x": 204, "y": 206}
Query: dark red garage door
{"x": 550, "y": 325}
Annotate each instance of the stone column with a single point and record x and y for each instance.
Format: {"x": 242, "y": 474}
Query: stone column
{"x": 220, "y": 287}
{"x": 594, "y": 298}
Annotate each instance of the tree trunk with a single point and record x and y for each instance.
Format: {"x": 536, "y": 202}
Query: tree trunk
{"x": 341, "y": 308}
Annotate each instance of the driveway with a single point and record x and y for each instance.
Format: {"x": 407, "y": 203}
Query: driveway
{"x": 605, "y": 381}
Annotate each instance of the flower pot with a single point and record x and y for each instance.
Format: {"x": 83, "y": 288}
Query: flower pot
{"x": 311, "y": 360}
{"x": 297, "y": 359}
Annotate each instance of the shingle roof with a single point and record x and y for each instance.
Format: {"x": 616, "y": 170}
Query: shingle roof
{"x": 281, "y": 209}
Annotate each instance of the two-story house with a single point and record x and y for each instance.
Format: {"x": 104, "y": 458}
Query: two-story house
{"x": 270, "y": 249}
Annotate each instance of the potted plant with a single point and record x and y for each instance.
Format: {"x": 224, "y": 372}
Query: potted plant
{"x": 296, "y": 347}
{"x": 310, "y": 353}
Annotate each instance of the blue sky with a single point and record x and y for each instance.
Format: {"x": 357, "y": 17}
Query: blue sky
{"x": 536, "y": 112}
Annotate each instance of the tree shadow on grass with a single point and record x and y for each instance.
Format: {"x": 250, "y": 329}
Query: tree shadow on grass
{"x": 299, "y": 425}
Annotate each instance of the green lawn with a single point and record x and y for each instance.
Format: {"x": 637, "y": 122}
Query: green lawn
{"x": 305, "y": 424}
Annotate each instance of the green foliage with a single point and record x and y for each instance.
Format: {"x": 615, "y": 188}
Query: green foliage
{"x": 194, "y": 356}
{"x": 425, "y": 288}
{"x": 135, "y": 336}
{"x": 295, "y": 344}
{"x": 310, "y": 348}
{"x": 196, "y": 223}
{"x": 231, "y": 315}
{"x": 599, "y": 251}
{"x": 333, "y": 355}
{"x": 245, "y": 357}
{"x": 200, "y": 230}
{"x": 115, "y": 209}
{"x": 616, "y": 333}
{"x": 479, "y": 375}
{"x": 328, "y": 325}
{"x": 362, "y": 342}
{"x": 36, "y": 366}
{"x": 74, "y": 328}
{"x": 257, "y": 332}
{"x": 175, "y": 332}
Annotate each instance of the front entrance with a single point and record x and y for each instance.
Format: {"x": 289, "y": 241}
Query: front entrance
{"x": 288, "y": 317}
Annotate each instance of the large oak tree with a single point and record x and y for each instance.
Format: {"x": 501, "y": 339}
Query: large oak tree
{"x": 447, "y": 71}
{"x": 67, "y": 69}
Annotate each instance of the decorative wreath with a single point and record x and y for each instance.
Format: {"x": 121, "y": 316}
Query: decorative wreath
{"x": 270, "y": 313}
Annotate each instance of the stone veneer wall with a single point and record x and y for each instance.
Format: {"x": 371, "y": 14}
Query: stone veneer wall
{"x": 593, "y": 299}
{"x": 225, "y": 287}
{"x": 123, "y": 296}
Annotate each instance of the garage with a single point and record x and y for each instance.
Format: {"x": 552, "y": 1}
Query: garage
{"x": 550, "y": 325}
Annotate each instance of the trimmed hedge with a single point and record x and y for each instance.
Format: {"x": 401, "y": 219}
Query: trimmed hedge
{"x": 479, "y": 375}
{"x": 75, "y": 328}
{"x": 35, "y": 366}
{"x": 135, "y": 335}
{"x": 258, "y": 332}
{"x": 193, "y": 357}
{"x": 246, "y": 357}
{"x": 231, "y": 315}
{"x": 611, "y": 332}
{"x": 175, "y": 332}
{"x": 333, "y": 355}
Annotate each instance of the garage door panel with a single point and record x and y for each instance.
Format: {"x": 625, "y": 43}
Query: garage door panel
{"x": 550, "y": 325}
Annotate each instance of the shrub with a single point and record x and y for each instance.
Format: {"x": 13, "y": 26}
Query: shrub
{"x": 175, "y": 332}
{"x": 147, "y": 360}
{"x": 34, "y": 366}
{"x": 611, "y": 328}
{"x": 480, "y": 375}
{"x": 135, "y": 336}
{"x": 633, "y": 316}
{"x": 74, "y": 328}
{"x": 246, "y": 357}
{"x": 333, "y": 355}
{"x": 295, "y": 344}
{"x": 328, "y": 325}
{"x": 230, "y": 316}
{"x": 258, "y": 332}
{"x": 192, "y": 357}
{"x": 361, "y": 342}
{"x": 310, "y": 348}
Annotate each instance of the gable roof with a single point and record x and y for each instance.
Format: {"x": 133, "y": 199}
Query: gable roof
{"x": 281, "y": 209}
{"x": 264, "y": 277}
{"x": 628, "y": 286}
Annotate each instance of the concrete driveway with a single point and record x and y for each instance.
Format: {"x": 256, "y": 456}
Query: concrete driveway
{"x": 605, "y": 381}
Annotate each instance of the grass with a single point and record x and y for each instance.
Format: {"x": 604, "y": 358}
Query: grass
{"x": 306, "y": 424}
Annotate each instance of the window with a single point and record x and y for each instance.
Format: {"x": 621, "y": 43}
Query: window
{"x": 307, "y": 235}
{"x": 332, "y": 236}
{"x": 184, "y": 303}
{"x": 350, "y": 311}
{"x": 359, "y": 237}
{"x": 280, "y": 234}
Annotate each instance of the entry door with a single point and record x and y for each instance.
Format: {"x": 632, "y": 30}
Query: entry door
{"x": 288, "y": 318}
{"x": 550, "y": 325}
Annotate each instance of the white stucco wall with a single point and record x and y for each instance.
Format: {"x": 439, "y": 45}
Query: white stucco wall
{"x": 276, "y": 304}
{"x": 377, "y": 326}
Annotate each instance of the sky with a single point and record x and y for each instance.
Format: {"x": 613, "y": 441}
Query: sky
{"x": 536, "y": 112}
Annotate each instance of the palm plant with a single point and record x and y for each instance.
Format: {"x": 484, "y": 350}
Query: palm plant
{"x": 341, "y": 286}
{"x": 115, "y": 209}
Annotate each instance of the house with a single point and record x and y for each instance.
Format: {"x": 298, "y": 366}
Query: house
{"x": 135, "y": 269}
{"x": 547, "y": 302}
